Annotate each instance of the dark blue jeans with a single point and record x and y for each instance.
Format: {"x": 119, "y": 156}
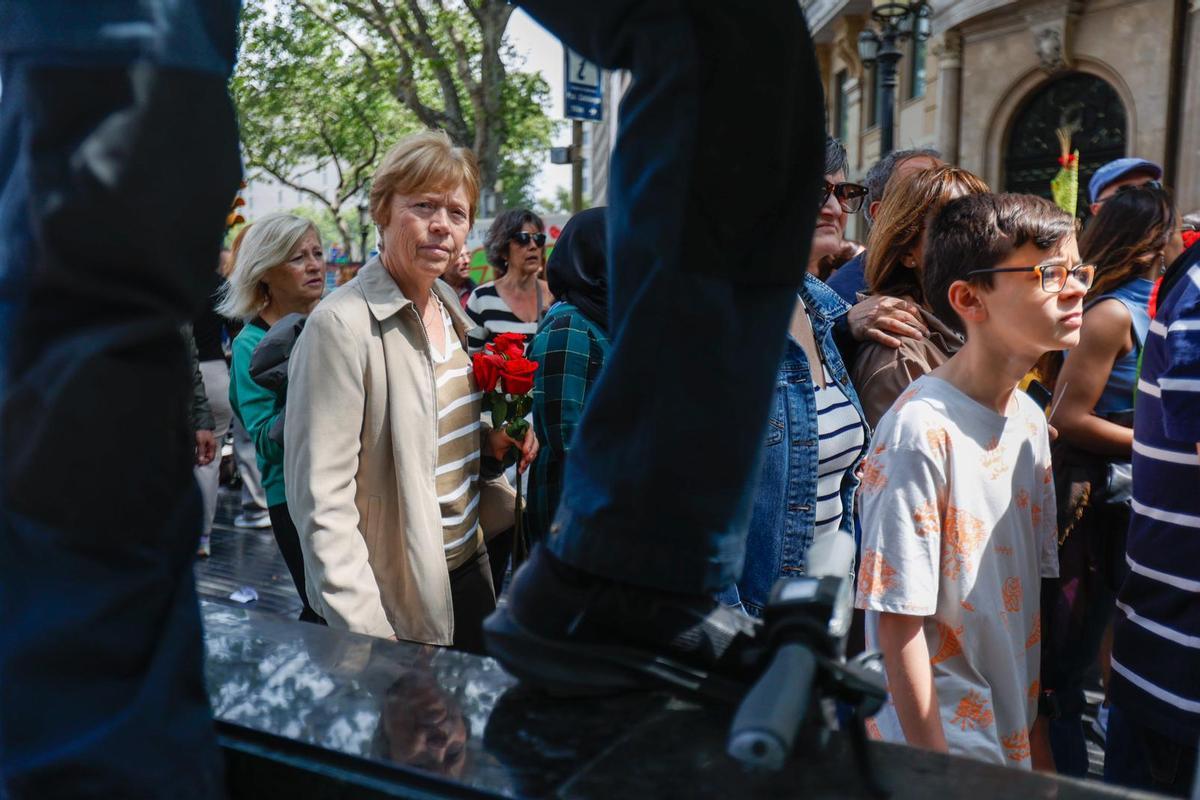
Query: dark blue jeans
{"x": 114, "y": 182}
{"x": 712, "y": 202}
{"x": 1138, "y": 757}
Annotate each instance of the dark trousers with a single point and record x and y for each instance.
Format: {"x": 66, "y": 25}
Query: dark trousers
{"x": 288, "y": 540}
{"x": 474, "y": 598}
{"x": 1077, "y": 609}
{"x": 1138, "y": 757}
{"x": 114, "y": 183}
{"x": 713, "y": 195}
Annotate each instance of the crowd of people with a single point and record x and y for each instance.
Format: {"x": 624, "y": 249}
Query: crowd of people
{"x": 993, "y": 551}
{"x": 997, "y": 404}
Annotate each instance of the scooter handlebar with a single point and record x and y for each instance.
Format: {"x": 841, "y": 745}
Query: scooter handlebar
{"x": 770, "y": 715}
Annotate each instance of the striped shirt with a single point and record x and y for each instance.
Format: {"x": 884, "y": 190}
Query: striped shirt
{"x": 840, "y": 438}
{"x": 492, "y": 316}
{"x": 1156, "y": 647}
{"x": 457, "y": 474}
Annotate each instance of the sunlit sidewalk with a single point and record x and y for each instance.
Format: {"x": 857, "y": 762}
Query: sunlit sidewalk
{"x": 245, "y": 558}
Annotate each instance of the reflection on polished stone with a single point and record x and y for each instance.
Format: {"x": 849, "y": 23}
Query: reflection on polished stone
{"x": 401, "y": 703}
{"x": 462, "y": 717}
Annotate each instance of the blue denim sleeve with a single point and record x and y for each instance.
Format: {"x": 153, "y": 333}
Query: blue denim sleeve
{"x": 188, "y": 34}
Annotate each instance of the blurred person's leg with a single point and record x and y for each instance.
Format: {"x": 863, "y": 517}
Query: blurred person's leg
{"x": 713, "y": 195}
{"x": 216, "y": 387}
{"x": 254, "y": 497}
{"x": 114, "y": 182}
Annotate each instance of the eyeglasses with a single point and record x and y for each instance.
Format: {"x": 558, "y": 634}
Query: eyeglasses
{"x": 525, "y": 237}
{"x": 1054, "y": 276}
{"x": 1150, "y": 184}
{"x": 850, "y": 196}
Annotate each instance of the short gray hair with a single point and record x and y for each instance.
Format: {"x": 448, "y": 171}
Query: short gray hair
{"x": 267, "y": 244}
{"x": 835, "y": 156}
{"x": 878, "y": 176}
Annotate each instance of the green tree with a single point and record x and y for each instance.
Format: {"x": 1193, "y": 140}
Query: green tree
{"x": 560, "y": 203}
{"x": 333, "y": 231}
{"x": 305, "y": 105}
{"x": 337, "y": 81}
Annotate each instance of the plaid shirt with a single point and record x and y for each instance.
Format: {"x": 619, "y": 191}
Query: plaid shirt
{"x": 570, "y": 350}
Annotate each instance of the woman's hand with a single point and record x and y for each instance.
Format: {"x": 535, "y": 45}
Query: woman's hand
{"x": 881, "y": 318}
{"x": 499, "y": 443}
{"x": 206, "y": 448}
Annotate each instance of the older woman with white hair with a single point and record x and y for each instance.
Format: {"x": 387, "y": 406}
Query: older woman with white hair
{"x": 383, "y": 441}
{"x": 279, "y": 270}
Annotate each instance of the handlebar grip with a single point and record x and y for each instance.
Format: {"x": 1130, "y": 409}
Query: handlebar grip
{"x": 770, "y": 715}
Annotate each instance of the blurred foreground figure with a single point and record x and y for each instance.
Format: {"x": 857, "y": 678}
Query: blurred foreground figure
{"x": 118, "y": 161}
{"x": 709, "y": 230}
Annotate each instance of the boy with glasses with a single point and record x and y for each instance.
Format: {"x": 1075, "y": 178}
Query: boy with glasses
{"x": 957, "y": 500}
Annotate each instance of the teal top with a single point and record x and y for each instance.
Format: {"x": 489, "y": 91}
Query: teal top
{"x": 257, "y": 409}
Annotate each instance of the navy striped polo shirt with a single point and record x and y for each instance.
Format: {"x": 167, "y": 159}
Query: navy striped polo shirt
{"x": 1156, "y": 649}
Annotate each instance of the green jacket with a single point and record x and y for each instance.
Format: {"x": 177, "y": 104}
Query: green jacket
{"x": 257, "y": 409}
{"x": 201, "y": 416}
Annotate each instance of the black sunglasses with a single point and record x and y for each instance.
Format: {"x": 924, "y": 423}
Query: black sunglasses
{"x": 525, "y": 237}
{"x": 850, "y": 196}
{"x": 1054, "y": 276}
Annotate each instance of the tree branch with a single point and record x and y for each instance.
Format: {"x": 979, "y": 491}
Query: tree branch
{"x": 462, "y": 61}
{"x": 422, "y": 38}
{"x": 291, "y": 184}
{"x": 342, "y": 32}
{"x": 359, "y": 180}
{"x": 404, "y": 88}
{"x": 321, "y": 132}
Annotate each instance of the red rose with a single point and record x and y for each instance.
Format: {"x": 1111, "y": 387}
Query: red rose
{"x": 511, "y": 345}
{"x": 486, "y": 367}
{"x": 517, "y": 375}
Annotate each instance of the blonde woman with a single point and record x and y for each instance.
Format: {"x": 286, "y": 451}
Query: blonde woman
{"x": 279, "y": 269}
{"x": 384, "y": 450}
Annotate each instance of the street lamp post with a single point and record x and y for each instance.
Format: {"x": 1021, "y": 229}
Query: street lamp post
{"x": 896, "y": 21}
{"x": 362, "y": 230}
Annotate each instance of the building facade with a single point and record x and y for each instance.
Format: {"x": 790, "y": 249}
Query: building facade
{"x": 997, "y": 77}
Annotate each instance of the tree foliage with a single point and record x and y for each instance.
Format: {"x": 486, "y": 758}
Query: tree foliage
{"x": 336, "y": 82}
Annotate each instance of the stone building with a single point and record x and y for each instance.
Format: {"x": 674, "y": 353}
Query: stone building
{"x": 997, "y": 78}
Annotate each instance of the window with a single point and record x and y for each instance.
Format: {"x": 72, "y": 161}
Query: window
{"x": 841, "y": 106}
{"x": 916, "y": 69}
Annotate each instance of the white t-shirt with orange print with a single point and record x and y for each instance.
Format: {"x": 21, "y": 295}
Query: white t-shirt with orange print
{"x": 958, "y": 522}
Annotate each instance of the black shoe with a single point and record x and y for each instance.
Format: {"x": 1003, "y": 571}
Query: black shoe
{"x": 574, "y": 633}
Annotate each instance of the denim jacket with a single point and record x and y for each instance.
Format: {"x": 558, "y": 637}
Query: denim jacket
{"x": 784, "y": 506}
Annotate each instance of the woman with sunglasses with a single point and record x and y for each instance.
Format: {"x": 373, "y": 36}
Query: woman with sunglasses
{"x": 1130, "y": 241}
{"x": 815, "y": 435}
{"x": 893, "y": 269}
{"x": 516, "y": 300}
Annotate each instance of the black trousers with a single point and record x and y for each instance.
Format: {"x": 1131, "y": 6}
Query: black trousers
{"x": 474, "y": 598}
{"x": 288, "y": 540}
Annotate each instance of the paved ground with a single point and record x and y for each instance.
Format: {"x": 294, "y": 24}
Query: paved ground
{"x": 242, "y": 557}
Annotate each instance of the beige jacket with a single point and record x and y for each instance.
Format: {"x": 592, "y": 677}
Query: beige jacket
{"x": 360, "y": 451}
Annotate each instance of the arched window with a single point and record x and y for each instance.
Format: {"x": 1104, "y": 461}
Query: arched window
{"x": 1083, "y": 101}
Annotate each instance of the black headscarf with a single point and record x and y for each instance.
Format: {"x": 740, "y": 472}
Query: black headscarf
{"x": 578, "y": 267}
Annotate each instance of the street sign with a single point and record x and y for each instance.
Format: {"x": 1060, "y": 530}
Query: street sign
{"x": 582, "y": 88}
